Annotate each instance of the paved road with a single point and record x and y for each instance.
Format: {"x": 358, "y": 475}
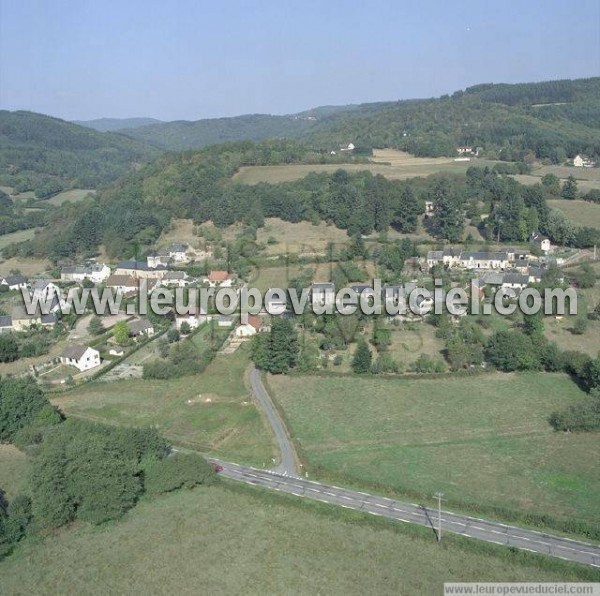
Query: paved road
{"x": 472, "y": 527}
{"x": 285, "y": 479}
{"x": 288, "y": 457}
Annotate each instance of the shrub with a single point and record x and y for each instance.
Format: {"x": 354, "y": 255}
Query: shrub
{"x": 583, "y": 415}
{"x": 178, "y": 471}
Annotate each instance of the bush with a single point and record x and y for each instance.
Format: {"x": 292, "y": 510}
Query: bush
{"x": 427, "y": 364}
{"x": 583, "y": 415}
{"x": 178, "y": 471}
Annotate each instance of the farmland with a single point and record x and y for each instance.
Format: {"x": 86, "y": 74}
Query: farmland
{"x": 418, "y": 436}
{"x": 392, "y": 164}
{"x": 229, "y": 540}
{"x": 210, "y": 412}
{"x": 580, "y": 212}
{"x": 75, "y": 195}
{"x": 19, "y": 236}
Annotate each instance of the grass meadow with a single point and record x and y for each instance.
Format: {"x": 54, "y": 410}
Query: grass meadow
{"x": 211, "y": 412}
{"x": 14, "y": 468}
{"x": 580, "y": 212}
{"x": 228, "y": 539}
{"x": 395, "y": 165}
{"x": 483, "y": 440}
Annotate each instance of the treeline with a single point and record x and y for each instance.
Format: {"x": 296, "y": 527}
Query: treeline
{"x": 80, "y": 470}
{"x": 46, "y": 155}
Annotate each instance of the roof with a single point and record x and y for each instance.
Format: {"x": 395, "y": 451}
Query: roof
{"x": 134, "y": 265}
{"x": 5, "y": 321}
{"x": 516, "y": 278}
{"x": 41, "y": 284}
{"x": 178, "y": 247}
{"x": 49, "y": 319}
{"x": 140, "y": 326}
{"x": 125, "y": 281}
{"x": 13, "y": 280}
{"x": 483, "y": 256}
{"x": 255, "y": 321}
{"x": 324, "y": 285}
{"x": 537, "y": 237}
{"x": 435, "y": 255}
{"x": 74, "y": 351}
{"x": 219, "y": 275}
{"x": 175, "y": 275}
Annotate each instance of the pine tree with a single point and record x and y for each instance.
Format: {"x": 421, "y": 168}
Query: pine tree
{"x": 361, "y": 362}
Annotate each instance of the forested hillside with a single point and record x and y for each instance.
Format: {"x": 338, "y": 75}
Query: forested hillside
{"x": 129, "y": 216}
{"x": 115, "y": 124}
{"x": 554, "y": 120}
{"x": 47, "y": 155}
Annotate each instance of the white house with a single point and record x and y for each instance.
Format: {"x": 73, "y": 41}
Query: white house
{"x": 484, "y": 260}
{"x": 578, "y": 161}
{"x": 43, "y": 288}
{"x": 123, "y": 284}
{"x": 348, "y": 147}
{"x": 14, "y": 282}
{"x": 141, "y": 327}
{"x": 542, "y": 241}
{"x": 222, "y": 279}
{"x": 178, "y": 252}
{"x": 252, "y": 327}
{"x": 81, "y": 357}
{"x": 194, "y": 318}
{"x": 160, "y": 258}
{"x": 175, "y": 278}
{"x": 96, "y": 273}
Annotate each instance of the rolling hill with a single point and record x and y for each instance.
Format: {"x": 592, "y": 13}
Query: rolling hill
{"x": 552, "y": 119}
{"x": 47, "y": 155}
{"x": 114, "y": 124}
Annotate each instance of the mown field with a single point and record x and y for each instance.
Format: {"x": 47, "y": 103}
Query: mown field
{"x": 580, "y": 212}
{"x": 20, "y": 236}
{"x": 14, "y": 468}
{"x": 75, "y": 195}
{"x": 232, "y": 540}
{"x": 211, "y": 412}
{"x": 392, "y": 164}
{"x": 484, "y": 441}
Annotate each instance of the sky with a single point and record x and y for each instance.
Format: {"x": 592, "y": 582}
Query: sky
{"x": 192, "y": 59}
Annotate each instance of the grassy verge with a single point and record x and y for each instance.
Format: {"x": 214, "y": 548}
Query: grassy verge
{"x": 237, "y": 540}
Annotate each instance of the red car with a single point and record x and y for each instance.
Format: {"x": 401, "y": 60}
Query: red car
{"x": 217, "y": 467}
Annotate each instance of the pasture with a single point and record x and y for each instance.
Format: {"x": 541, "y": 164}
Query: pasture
{"x": 20, "y": 236}
{"x": 228, "y": 539}
{"x": 302, "y": 238}
{"x": 74, "y": 196}
{"x": 484, "y": 440}
{"x": 14, "y": 468}
{"x": 211, "y": 412}
{"x": 581, "y": 213}
{"x": 393, "y": 164}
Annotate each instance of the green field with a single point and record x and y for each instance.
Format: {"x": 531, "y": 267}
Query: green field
{"x": 74, "y": 195}
{"x": 233, "y": 540}
{"x": 288, "y": 173}
{"x": 484, "y": 441}
{"x": 20, "y": 236}
{"x": 580, "y": 212}
{"x": 14, "y": 468}
{"x": 211, "y": 412}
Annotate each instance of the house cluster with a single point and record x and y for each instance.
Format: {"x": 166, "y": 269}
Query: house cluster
{"x": 465, "y": 150}
{"x": 507, "y": 268}
{"x": 581, "y": 161}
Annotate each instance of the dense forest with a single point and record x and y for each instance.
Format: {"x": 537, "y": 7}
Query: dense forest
{"x": 553, "y": 120}
{"x": 47, "y": 155}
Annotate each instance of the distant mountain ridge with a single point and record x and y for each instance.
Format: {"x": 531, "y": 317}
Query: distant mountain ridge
{"x": 552, "y": 119}
{"x": 115, "y": 124}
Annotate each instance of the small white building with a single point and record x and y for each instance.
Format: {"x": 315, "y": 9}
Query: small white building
{"x": 252, "y": 327}
{"x": 141, "y": 327}
{"x": 542, "y": 241}
{"x": 81, "y": 357}
{"x": 96, "y": 273}
{"x": 194, "y": 318}
{"x": 14, "y": 282}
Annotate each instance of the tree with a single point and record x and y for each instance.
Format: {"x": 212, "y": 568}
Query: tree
{"x": 178, "y": 471}
{"x": 569, "y": 189}
{"x": 512, "y": 350}
{"x": 448, "y": 216}
{"x": 581, "y": 324}
{"x": 121, "y": 333}
{"x": 277, "y": 351}
{"x": 361, "y": 361}
{"x": 185, "y": 328}
{"x": 9, "y": 349}
{"x": 95, "y": 326}
{"x": 21, "y": 402}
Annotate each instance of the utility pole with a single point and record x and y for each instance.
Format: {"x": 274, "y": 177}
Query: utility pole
{"x": 439, "y": 497}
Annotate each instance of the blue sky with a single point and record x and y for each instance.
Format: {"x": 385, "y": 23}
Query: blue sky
{"x": 188, "y": 59}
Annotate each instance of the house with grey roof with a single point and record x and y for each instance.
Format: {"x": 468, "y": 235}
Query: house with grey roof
{"x": 81, "y": 357}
